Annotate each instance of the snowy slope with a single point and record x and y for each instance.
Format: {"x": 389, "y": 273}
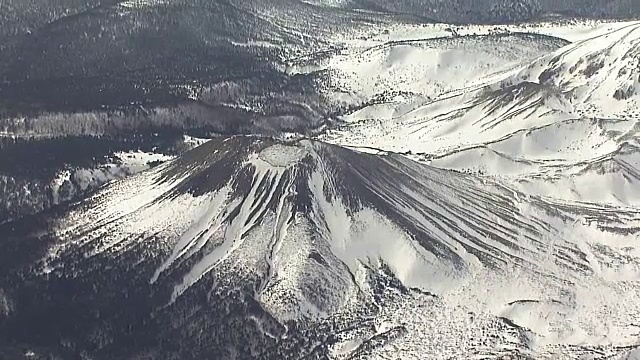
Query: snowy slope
{"x": 427, "y": 67}
{"x": 550, "y": 127}
{"x": 454, "y": 122}
{"x": 600, "y": 75}
{"x": 572, "y": 30}
{"x": 325, "y": 234}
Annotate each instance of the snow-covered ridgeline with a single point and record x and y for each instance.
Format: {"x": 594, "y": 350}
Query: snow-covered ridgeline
{"x": 563, "y": 125}
{"x": 310, "y": 223}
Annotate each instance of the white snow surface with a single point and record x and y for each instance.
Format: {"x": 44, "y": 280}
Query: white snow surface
{"x": 194, "y": 141}
{"x": 426, "y": 67}
{"x": 631, "y": 355}
{"x": 565, "y": 275}
{"x": 570, "y": 30}
{"x": 82, "y": 179}
{"x": 590, "y": 73}
{"x": 137, "y": 4}
{"x": 530, "y": 248}
{"x": 564, "y": 125}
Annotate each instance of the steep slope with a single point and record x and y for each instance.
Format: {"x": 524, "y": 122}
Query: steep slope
{"x": 601, "y": 76}
{"x": 249, "y": 247}
{"x": 427, "y": 68}
{"x": 452, "y": 122}
{"x": 133, "y": 73}
{"x": 548, "y": 127}
{"x": 576, "y": 160}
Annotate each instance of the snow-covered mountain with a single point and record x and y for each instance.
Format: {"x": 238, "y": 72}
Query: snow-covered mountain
{"x": 329, "y": 252}
{"x": 113, "y": 76}
{"x": 550, "y": 126}
{"x": 318, "y": 179}
{"x": 428, "y": 67}
{"x": 600, "y": 76}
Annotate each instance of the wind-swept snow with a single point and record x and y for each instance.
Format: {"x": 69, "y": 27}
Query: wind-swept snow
{"x": 321, "y": 232}
{"x": 564, "y": 125}
{"x": 428, "y": 67}
{"x": 474, "y": 196}
{"x": 600, "y": 76}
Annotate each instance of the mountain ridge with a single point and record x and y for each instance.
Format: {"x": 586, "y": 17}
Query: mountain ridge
{"x": 285, "y": 179}
{"x": 536, "y": 127}
{"x": 310, "y": 235}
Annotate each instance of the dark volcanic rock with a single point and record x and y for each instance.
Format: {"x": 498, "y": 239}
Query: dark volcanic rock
{"x": 91, "y": 280}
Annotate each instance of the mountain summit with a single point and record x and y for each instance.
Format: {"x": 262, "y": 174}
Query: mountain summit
{"x": 292, "y": 249}
{"x": 289, "y": 179}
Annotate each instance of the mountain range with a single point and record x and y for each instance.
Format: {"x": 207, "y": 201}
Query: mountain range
{"x": 285, "y": 179}
{"x": 563, "y": 125}
{"x": 308, "y": 250}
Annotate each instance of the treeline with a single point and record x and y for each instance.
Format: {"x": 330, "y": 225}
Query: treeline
{"x": 41, "y": 158}
{"x": 29, "y": 166}
{"x": 267, "y": 115}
